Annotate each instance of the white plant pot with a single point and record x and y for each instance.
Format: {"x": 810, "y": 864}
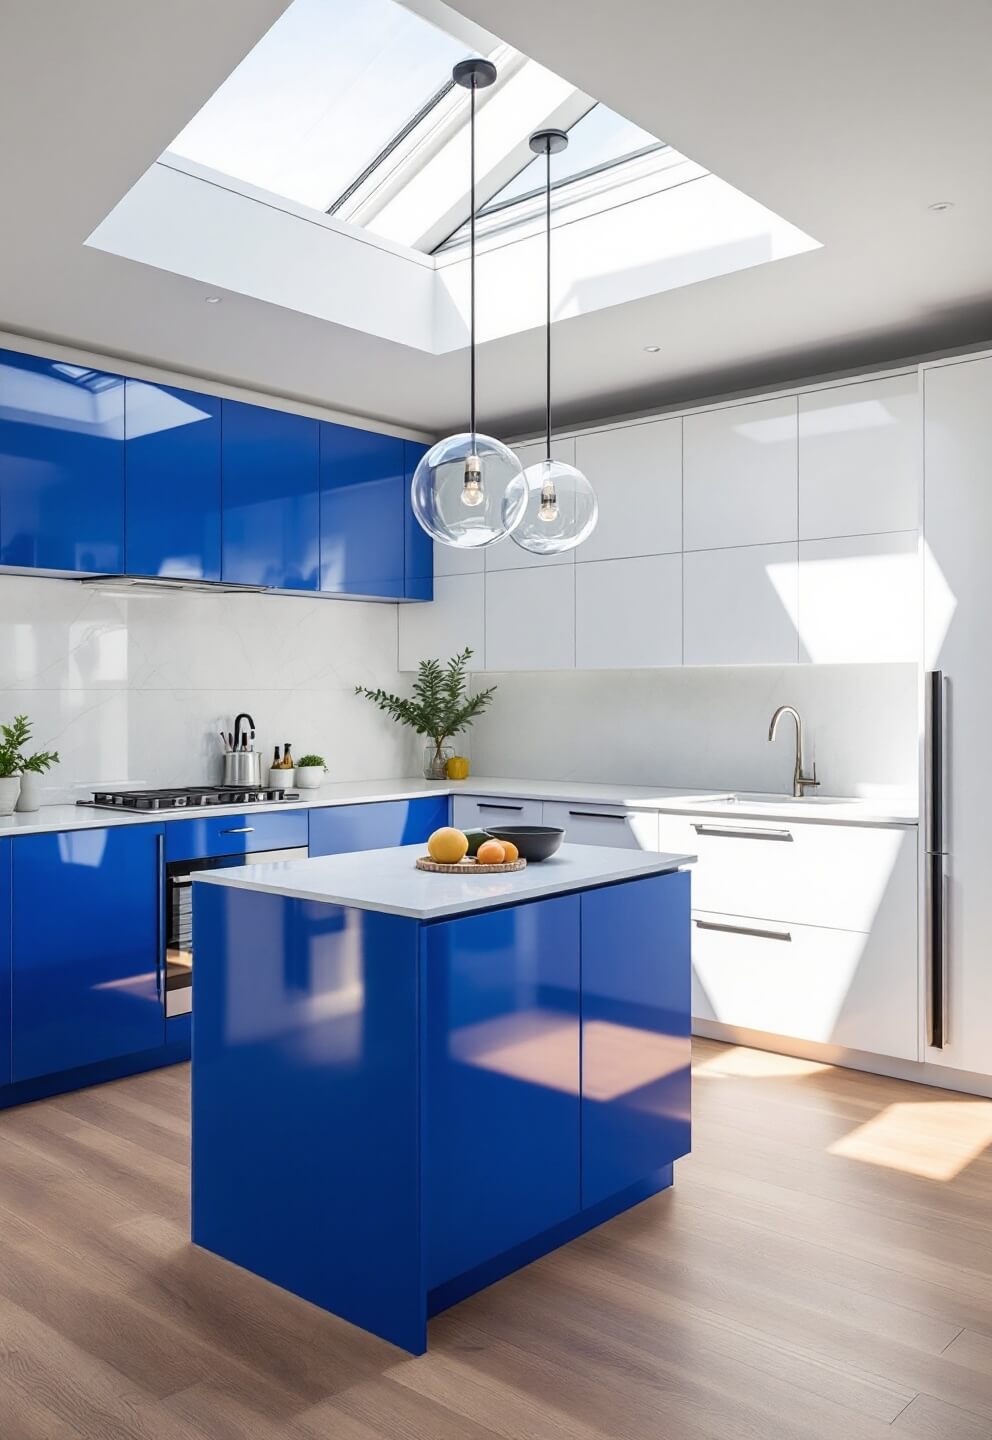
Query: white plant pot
{"x": 309, "y": 777}
{"x": 281, "y": 779}
{"x": 29, "y": 799}
{"x": 10, "y": 786}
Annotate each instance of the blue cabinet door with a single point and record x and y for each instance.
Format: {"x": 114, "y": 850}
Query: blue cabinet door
{"x": 87, "y": 937}
{"x": 501, "y": 1081}
{"x": 271, "y": 530}
{"x": 337, "y": 829}
{"x": 635, "y": 1032}
{"x": 419, "y": 547}
{"x": 172, "y": 473}
{"x": 362, "y": 501}
{"x": 5, "y": 849}
{"x": 61, "y": 465}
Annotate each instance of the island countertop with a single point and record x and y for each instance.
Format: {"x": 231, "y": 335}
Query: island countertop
{"x": 388, "y": 881}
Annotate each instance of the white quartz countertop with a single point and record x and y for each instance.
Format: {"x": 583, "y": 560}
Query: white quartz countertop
{"x": 388, "y": 881}
{"x": 671, "y": 800}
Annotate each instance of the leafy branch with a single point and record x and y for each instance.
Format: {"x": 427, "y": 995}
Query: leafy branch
{"x": 440, "y": 704}
{"x": 13, "y": 761}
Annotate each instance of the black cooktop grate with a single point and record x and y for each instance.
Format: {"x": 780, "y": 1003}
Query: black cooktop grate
{"x": 194, "y": 797}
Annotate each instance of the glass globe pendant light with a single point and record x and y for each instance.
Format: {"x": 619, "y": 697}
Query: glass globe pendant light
{"x": 469, "y": 489}
{"x": 561, "y": 509}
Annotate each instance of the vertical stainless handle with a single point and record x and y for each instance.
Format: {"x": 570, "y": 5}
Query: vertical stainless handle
{"x": 935, "y": 879}
{"x": 160, "y": 898}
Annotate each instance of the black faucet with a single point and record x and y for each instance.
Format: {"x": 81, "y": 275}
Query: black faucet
{"x": 237, "y": 732}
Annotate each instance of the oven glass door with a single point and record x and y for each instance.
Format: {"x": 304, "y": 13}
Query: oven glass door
{"x": 179, "y": 918}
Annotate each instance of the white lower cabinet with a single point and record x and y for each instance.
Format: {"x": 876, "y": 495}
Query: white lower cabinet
{"x": 604, "y": 825}
{"x": 835, "y": 987}
{"x": 804, "y": 930}
{"x": 478, "y": 812}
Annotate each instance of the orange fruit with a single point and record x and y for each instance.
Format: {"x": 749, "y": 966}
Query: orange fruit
{"x": 447, "y": 846}
{"x": 510, "y": 851}
{"x": 491, "y": 853}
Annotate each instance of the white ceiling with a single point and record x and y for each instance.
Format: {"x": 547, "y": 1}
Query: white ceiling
{"x": 848, "y": 119}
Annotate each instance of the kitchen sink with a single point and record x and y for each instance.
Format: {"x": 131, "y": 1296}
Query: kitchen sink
{"x": 765, "y": 798}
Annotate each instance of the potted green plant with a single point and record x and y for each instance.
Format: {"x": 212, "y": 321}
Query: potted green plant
{"x": 10, "y": 764}
{"x": 310, "y": 771}
{"x": 439, "y": 707}
{"x": 30, "y": 768}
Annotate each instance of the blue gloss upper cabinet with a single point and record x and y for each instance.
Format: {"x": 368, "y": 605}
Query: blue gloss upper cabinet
{"x": 362, "y": 498}
{"x": 5, "y": 902}
{"x": 173, "y": 475}
{"x": 61, "y": 466}
{"x": 87, "y": 947}
{"x": 271, "y": 533}
{"x": 418, "y": 545}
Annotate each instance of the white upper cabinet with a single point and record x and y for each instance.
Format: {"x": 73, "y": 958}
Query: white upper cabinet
{"x": 859, "y": 599}
{"x": 740, "y": 606}
{"x": 628, "y": 613}
{"x": 530, "y": 619}
{"x": 740, "y": 475}
{"x": 455, "y": 619}
{"x": 505, "y": 555}
{"x": 636, "y": 472}
{"x": 860, "y": 469}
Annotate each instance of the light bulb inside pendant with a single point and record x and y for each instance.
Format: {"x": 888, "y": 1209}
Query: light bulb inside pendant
{"x": 547, "y": 511}
{"x": 472, "y": 492}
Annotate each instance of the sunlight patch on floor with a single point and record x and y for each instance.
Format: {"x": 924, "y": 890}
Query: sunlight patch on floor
{"x": 935, "y": 1139}
{"x": 741, "y": 1063}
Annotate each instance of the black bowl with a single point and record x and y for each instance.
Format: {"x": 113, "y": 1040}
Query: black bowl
{"x": 534, "y": 842}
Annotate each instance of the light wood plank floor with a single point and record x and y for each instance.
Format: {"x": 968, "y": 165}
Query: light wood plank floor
{"x": 822, "y": 1268}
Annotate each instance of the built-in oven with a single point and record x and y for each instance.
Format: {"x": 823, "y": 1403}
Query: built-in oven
{"x": 179, "y": 918}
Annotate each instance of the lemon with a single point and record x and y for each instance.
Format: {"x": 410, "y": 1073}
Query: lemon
{"x": 447, "y": 846}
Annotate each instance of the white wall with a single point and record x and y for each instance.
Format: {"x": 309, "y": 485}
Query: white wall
{"x": 132, "y": 689}
{"x": 704, "y": 727}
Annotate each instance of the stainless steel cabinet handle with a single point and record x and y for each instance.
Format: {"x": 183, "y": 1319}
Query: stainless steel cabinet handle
{"x": 742, "y": 833}
{"x": 160, "y": 905}
{"x": 239, "y": 830}
{"x": 756, "y": 930}
{"x": 482, "y": 806}
{"x": 599, "y": 814}
{"x": 935, "y": 856}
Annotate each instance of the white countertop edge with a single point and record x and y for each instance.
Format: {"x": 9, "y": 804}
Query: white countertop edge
{"x": 579, "y": 867}
{"x": 663, "y": 799}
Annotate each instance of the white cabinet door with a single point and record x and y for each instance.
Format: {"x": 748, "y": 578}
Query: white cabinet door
{"x": 444, "y": 627}
{"x": 844, "y": 876}
{"x": 958, "y": 511}
{"x": 636, "y": 471}
{"x": 860, "y": 599}
{"x": 740, "y": 475}
{"x": 837, "y": 987}
{"x": 449, "y": 560}
{"x": 860, "y": 454}
{"x": 628, "y": 613}
{"x": 530, "y": 619}
{"x": 505, "y": 555}
{"x": 740, "y": 606}
{"x": 604, "y": 825}
{"x": 478, "y": 812}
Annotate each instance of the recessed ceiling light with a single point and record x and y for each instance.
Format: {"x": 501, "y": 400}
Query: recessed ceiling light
{"x": 652, "y": 349}
{"x": 212, "y": 299}
{"x": 940, "y": 205}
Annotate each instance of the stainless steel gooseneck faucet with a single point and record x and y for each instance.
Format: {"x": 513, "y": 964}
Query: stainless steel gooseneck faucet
{"x": 800, "y": 782}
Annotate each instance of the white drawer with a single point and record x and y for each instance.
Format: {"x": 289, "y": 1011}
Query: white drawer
{"x": 848, "y": 877}
{"x": 604, "y": 825}
{"x": 836, "y": 987}
{"x": 478, "y": 812}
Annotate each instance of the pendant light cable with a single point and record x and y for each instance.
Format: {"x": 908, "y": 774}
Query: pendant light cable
{"x": 471, "y": 283}
{"x": 547, "y": 316}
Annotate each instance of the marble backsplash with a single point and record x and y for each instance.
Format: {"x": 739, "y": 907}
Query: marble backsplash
{"x": 132, "y": 689}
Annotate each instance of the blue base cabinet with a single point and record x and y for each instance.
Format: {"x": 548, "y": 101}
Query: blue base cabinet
{"x": 5, "y": 906}
{"x": 87, "y": 948}
{"x": 61, "y": 466}
{"x": 338, "y": 829}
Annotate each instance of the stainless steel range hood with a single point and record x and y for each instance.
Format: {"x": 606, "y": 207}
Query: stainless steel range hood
{"x": 153, "y": 584}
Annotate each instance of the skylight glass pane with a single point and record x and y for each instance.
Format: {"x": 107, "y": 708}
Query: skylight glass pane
{"x": 600, "y": 138}
{"x": 319, "y": 96}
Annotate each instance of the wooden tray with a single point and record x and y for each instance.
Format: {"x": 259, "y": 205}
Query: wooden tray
{"x": 468, "y": 867}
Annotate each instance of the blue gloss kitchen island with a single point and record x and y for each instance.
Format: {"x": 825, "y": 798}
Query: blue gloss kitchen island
{"x": 407, "y": 1085}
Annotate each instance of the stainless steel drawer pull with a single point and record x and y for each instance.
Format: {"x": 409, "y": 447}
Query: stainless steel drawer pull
{"x": 736, "y": 832}
{"x": 755, "y": 930}
{"x": 239, "y": 830}
{"x": 599, "y": 814}
{"x": 481, "y": 806}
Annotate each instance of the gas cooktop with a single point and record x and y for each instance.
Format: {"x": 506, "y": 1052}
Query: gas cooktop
{"x": 193, "y": 797}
